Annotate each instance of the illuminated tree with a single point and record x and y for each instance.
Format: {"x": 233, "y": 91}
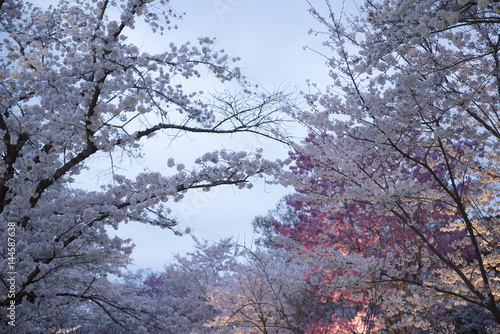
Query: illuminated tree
{"x": 407, "y": 136}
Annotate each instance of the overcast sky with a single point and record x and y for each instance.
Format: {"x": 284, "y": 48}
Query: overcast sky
{"x": 270, "y": 37}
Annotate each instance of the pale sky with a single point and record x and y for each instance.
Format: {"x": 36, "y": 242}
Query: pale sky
{"x": 269, "y": 36}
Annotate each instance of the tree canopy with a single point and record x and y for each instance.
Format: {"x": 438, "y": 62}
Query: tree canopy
{"x": 394, "y": 223}
{"x": 398, "y": 181}
{"x": 73, "y": 87}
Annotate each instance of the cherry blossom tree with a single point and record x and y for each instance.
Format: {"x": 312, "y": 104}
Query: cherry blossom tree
{"x": 349, "y": 251}
{"x": 223, "y": 287}
{"x": 265, "y": 294}
{"x": 181, "y": 292}
{"x": 406, "y": 138}
{"x": 74, "y": 88}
